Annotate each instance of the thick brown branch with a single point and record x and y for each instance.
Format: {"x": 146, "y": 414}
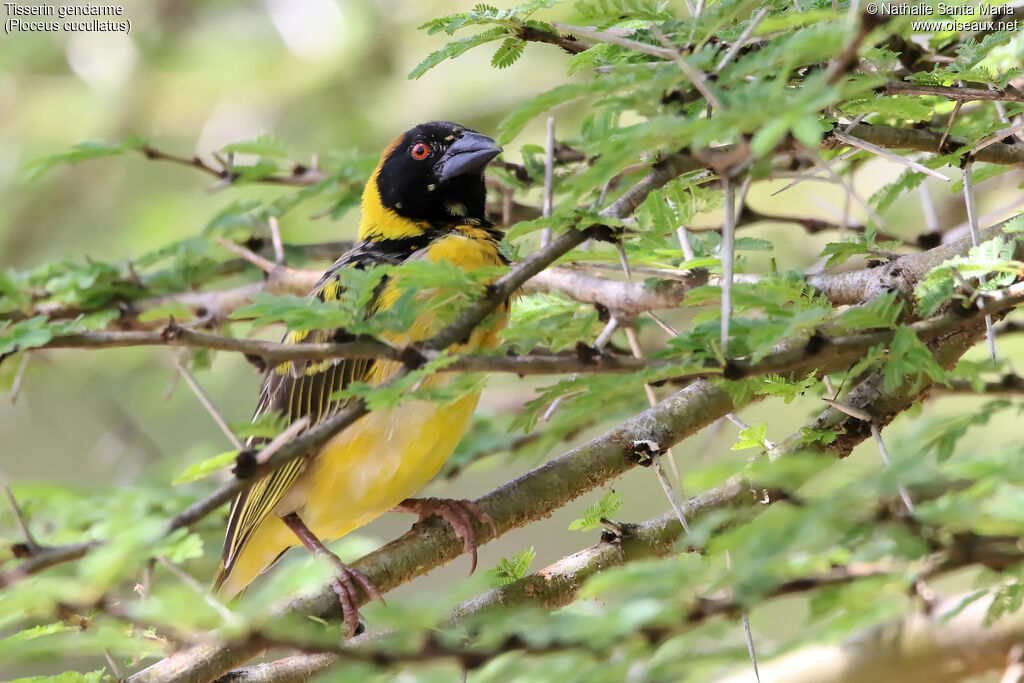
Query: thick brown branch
{"x": 927, "y": 141}
{"x": 955, "y": 93}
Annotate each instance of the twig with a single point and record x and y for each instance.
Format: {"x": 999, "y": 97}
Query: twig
{"x": 301, "y": 176}
{"x": 931, "y": 219}
{"x": 728, "y": 240}
{"x": 662, "y": 324}
{"x": 285, "y": 437}
{"x": 532, "y": 496}
{"x": 613, "y": 39}
{"x": 652, "y": 400}
{"x": 904, "y": 494}
{"x": 692, "y": 73}
{"x": 997, "y": 136}
{"x": 813, "y": 175}
{"x": 972, "y": 218}
{"x": 255, "y": 259}
{"x": 684, "y": 243}
{"x": 275, "y": 236}
{"x": 549, "y": 177}
{"x": 865, "y": 416}
{"x": 849, "y": 188}
{"x": 927, "y": 141}
{"x": 114, "y": 668}
{"x": 949, "y": 126}
{"x": 538, "y": 35}
{"x": 1007, "y": 384}
{"x": 738, "y": 44}
{"x": 599, "y": 344}
{"x": 19, "y": 517}
{"x": 19, "y": 377}
{"x": 875, "y": 149}
{"x": 207, "y": 403}
{"x": 748, "y": 635}
{"x": 960, "y": 94}
{"x": 849, "y": 57}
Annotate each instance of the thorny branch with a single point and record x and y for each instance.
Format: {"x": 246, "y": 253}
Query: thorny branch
{"x": 564, "y": 478}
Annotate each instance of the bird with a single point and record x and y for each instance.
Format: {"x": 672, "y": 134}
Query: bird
{"x": 426, "y": 199}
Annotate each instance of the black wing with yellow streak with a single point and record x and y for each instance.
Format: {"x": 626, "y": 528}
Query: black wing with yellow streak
{"x": 303, "y": 388}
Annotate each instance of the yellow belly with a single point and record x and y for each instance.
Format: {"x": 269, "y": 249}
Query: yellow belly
{"x": 387, "y": 457}
{"x": 369, "y": 468}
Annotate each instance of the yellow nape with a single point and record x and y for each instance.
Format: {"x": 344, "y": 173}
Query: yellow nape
{"x": 379, "y": 222}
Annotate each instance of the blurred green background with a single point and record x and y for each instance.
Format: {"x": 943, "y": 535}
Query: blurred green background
{"x": 321, "y": 75}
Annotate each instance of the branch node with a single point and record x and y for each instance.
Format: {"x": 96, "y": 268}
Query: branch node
{"x": 412, "y": 358}
{"x": 587, "y": 354}
{"x": 733, "y": 371}
{"x": 171, "y": 331}
{"x": 642, "y": 452}
{"x": 245, "y": 464}
{"x": 815, "y": 343}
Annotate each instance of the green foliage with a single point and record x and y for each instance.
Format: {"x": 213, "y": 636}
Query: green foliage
{"x": 511, "y": 569}
{"x": 508, "y": 54}
{"x": 199, "y": 470}
{"x": 83, "y": 151}
{"x": 753, "y": 436}
{"x": 909, "y": 357}
{"x": 991, "y": 262}
{"x": 263, "y": 145}
{"x": 943, "y": 436}
{"x": 882, "y": 311}
{"x": 605, "y": 508}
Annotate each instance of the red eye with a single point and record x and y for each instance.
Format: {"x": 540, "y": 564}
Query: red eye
{"x": 420, "y": 151}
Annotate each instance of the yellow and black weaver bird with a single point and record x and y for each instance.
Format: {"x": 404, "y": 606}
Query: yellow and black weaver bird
{"x": 425, "y": 200}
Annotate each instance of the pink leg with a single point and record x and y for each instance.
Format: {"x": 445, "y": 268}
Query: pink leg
{"x": 458, "y": 513}
{"x": 345, "y": 583}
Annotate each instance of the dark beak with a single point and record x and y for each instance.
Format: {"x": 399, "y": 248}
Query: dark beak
{"x": 468, "y": 154}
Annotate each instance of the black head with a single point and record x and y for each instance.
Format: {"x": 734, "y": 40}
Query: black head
{"x": 435, "y": 172}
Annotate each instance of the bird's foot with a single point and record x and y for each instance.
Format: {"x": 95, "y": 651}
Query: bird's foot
{"x": 458, "y": 513}
{"x": 348, "y": 581}
{"x": 346, "y": 585}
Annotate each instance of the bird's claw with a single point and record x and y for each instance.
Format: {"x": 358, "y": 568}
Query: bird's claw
{"x": 345, "y": 586}
{"x": 458, "y": 513}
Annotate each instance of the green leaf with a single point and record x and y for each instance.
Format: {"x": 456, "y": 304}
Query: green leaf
{"x": 839, "y": 252}
{"x": 263, "y": 145}
{"x": 508, "y": 53}
{"x": 199, "y": 470}
{"x": 266, "y": 425}
{"x": 754, "y": 436}
{"x": 605, "y": 508}
{"x": 900, "y": 107}
{"x": 83, "y": 151}
{"x": 909, "y": 357}
{"x": 455, "y": 49}
{"x": 882, "y": 311}
{"x": 25, "y": 334}
{"x": 511, "y": 569}
{"x": 517, "y": 119}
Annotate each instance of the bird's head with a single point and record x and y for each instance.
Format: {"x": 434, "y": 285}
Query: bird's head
{"x": 431, "y": 174}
